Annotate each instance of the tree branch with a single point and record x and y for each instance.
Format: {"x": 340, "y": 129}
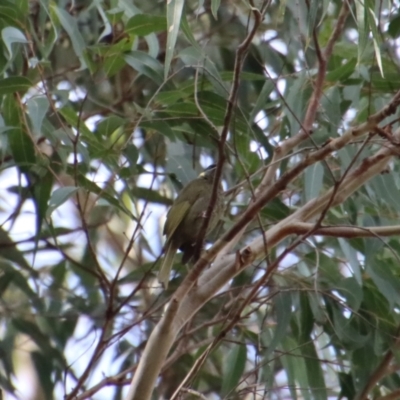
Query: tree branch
{"x": 346, "y": 231}
{"x": 289, "y": 144}
{"x": 157, "y": 350}
{"x": 239, "y": 59}
{"x": 189, "y": 298}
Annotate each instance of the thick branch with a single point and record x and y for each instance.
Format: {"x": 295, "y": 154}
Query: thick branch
{"x": 155, "y": 353}
{"x": 220, "y": 273}
{"x": 346, "y": 231}
{"x": 187, "y": 300}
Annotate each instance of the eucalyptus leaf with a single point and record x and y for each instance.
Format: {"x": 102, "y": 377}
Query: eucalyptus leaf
{"x": 174, "y": 14}
{"x": 59, "y": 197}
{"x": 71, "y": 27}
{"x": 37, "y": 108}
{"x": 313, "y": 181}
{"x": 146, "y": 65}
{"x": 14, "y": 84}
{"x": 11, "y": 35}
{"x": 144, "y": 24}
{"x": 233, "y": 369}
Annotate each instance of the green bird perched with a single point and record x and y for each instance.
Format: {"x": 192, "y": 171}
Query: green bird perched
{"x": 185, "y": 218}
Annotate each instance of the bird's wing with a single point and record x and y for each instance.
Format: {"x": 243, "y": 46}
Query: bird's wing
{"x": 175, "y": 216}
{"x": 165, "y": 269}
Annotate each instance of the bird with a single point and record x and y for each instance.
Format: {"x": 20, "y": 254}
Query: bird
{"x": 185, "y": 218}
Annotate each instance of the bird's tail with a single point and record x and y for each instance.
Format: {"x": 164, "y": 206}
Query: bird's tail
{"x": 163, "y": 274}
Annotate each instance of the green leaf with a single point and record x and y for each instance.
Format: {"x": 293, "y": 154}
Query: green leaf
{"x": 188, "y": 32}
{"x": 394, "y": 27}
{"x": 109, "y": 125}
{"x": 316, "y": 307}
{"x": 150, "y": 195}
{"x": 132, "y": 154}
{"x": 33, "y": 331}
{"x": 331, "y": 104}
{"x": 72, "y": 117}
{"x": 14, "y": 84}
{"x": 294, "y": 365}
{"x": 351, "y": 257}
{"x": 275, "y": 210}
{"x": 51, "y": 37}
{"x": 347, "y": 389}
{"x": 12, "y": 35}
{"x": 350, "y": 289}
{"x": 113, "y": 64}
{"x": 114, "y": 16}
{"x": 174, "y": 13}
{"x": 37, "y": 109}
{"x": 362, "y": 25}
{"x": 23, "y": 7}
{"x": 383, "y": 277}
{"x": 44, "y": 369}
{"x": 22, "y": 149}
{"x": 41, "y": 194}
{"x": 92, "y": 187}
{"x": 18, "y": 280}
{"x": 389, "y": 83}
{"x": 350, "y": 337}
{"x": 283, "y": 305}
{"x": 9, "y": 14}
{"x": 60, "y": 196}
{"x": 312, "y": 12}
{"x": 161, "y": 127}
{"x": 296, "y": 99}
{"x": 362, "y": 366}
{"x": 11, "y": 112}
{"x": 376, "y": 38}
{"x": 306, "y": 318}
{"x": 71, "y": 27}
{"x": 266, "y": 90}
{"x": 214, "y": 7}
{"x": 313, "y": 179}
{"x": 144, "y": 24}
{"x": 233, "y": 368}
{"x": 169, "y": 97}
{"x": 194, "y": 56}
{"x": 9, "y": 251}
{"x": 146, "y": 65}
{"x": 385, "y": 187}
{"x": 178, "y": 162}
{"x": 315, "y": 375}
{"x": 343, "y": 72}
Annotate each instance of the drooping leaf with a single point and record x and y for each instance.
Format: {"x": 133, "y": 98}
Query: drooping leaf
{"x": 313, "y": 178}
{"x": 60, "y": 196}
{"x": 11, "y": 35}
{"x": 233, "y": 369}
{"x": 174, "y": 13}
{"x": 71, "y": 27}
{"x": 146, "y": 65}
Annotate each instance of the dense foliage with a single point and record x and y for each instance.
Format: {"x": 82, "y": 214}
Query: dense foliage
{"x": 109, "y": 107}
